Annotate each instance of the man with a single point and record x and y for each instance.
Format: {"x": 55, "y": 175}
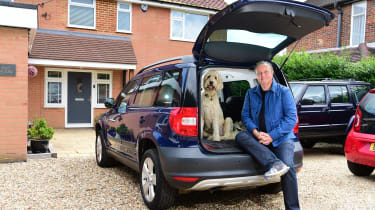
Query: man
{"x": 269, "y": 114}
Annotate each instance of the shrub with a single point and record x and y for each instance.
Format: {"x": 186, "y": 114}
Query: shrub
{"x": 305, "y": 66}
{"x": 40, "y": 130}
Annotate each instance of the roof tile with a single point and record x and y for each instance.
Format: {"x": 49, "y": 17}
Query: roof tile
{"x": 208, "y": 4}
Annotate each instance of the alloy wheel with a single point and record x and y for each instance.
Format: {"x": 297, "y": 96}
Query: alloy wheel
{"x": 148, "y": 179}
{"x": 99, "y": 149}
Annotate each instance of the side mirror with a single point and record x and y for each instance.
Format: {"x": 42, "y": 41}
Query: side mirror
{"x": 122, "y": 108}
{"x": 109, "y": 102}
{"x": 307, "y": 101}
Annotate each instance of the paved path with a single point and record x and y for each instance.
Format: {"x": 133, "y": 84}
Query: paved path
{"x": 74, "y": 142}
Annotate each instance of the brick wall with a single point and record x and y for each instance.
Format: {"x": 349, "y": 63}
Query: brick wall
{"x": 327, "y": 36}
{"x": 150, "y": 30}
{"x": 13, "y": 95}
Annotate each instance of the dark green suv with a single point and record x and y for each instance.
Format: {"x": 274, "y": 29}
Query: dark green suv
{"x": 325, "y": 108}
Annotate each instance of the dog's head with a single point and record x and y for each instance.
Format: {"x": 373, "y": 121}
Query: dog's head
{"x": 212, "y": 81}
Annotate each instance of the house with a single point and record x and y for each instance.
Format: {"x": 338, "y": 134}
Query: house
{"x": 353, "y": 29}
{"x": 85, "y": 51}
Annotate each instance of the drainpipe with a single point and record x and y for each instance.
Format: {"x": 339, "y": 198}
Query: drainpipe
{"x": 339, "y": 20}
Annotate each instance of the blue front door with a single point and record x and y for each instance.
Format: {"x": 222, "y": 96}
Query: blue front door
{"x": 79, "y": 97}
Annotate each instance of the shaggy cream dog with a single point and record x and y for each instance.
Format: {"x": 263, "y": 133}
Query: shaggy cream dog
{"x": 214, "y": 125}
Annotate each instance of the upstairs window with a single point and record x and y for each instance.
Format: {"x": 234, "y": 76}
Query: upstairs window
{"x": 358, "y": 23}
{"x": 186, "y": 26}
{"x": 124, "y": 17}
{"x": 82, "y": 13}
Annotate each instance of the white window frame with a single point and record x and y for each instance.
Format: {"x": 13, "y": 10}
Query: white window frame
{"x": 63, "y": 87}
{"x": 130, "y": 15}
{"x": 352, "y": 15}
{"x": 183, "y": 25}
{"x": 97, "y": 81}
{"x": 82, "y": 5}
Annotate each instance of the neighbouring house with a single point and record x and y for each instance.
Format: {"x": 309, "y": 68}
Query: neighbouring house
{"x": 85, "y": 51}
{"x": 352, "y": 30}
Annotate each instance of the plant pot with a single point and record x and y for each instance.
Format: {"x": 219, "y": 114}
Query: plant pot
{"x": 39, "y": 145}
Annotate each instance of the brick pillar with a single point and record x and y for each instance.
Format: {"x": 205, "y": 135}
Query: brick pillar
{"x": 14, "y": 95}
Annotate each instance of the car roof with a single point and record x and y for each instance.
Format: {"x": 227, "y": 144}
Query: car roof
{"x": 330, "y": 81}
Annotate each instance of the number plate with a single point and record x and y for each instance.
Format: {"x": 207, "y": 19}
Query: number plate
{"x": 372, "y": 147}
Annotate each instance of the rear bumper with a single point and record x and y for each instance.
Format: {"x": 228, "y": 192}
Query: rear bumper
{"x": 357, "y": 148}
{"x": 215, "y": 170}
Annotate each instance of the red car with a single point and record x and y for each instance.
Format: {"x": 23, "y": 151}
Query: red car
{"x": 360, "y": 142}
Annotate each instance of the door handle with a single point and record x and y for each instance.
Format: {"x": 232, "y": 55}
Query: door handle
{"x": 142, "y": 120}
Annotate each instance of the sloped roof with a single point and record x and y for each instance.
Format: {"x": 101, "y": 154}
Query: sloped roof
{"x": 76, "y": 46}
{"x": 208, "y": 4}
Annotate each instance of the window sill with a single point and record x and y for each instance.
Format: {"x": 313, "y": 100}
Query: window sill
{"x": 181, "y": 40}
{"x": 124, "y": 32}
{"x": 82, "y": 27}
{"x": 98, "y": 106}
{"x": 53, "y": 106}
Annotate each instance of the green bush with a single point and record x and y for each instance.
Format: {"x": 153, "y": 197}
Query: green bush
{"x": 305, "y": 66}
{"x": 40, "y": 130}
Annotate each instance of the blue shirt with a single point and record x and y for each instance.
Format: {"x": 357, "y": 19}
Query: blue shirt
{"x": 280, "y": 112}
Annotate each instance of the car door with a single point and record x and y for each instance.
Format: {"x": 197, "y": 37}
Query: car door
{"x": 340, "y": 108}
{"x": 140, "y": 115}
{"x": 116, "y": 130}
{"x": 313, "y": 112}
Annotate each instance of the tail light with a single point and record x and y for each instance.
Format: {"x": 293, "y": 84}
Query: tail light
{"x": 296, "y": 128}
{"x": 184, "y": 121}
{"x": 357, "y": 120}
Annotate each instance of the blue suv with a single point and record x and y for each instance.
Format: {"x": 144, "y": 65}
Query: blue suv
{"x": 154, "y": 126}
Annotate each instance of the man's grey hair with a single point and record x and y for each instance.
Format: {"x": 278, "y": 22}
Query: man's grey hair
{"x": 268, "y": 64}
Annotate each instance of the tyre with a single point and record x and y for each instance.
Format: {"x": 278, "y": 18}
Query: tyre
{"x": 156, "y": 192}
{"x": 273, "y": 188}
{"x": 360, "y": 170}
{"x": 102, "y": 157}
{"x": 308, "y": 144}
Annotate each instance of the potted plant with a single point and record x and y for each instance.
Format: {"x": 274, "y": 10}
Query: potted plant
{"x": 40, "y": 135}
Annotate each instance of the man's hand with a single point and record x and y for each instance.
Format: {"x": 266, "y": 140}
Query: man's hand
{"x": 264, "y": 138}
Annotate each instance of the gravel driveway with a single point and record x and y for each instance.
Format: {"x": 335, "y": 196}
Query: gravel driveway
{"x": 76, "y": 182}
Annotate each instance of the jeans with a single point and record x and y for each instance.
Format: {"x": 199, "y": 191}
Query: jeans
{"x": 267, "y": 156}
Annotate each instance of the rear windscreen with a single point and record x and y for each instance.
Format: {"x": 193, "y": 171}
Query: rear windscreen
{"x": 367, "y": 108}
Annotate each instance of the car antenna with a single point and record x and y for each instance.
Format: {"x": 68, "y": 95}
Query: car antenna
{"x": 286, "y": 59}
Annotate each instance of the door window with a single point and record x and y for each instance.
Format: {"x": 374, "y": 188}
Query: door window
{"x": 127, "y": 92}
{"x": 314, "y": 95}
{"x": 147, "y": 90}
{"x": 338, "y": 94}
{"x": 296, "y": 89}
{"x": 169, "y": 94}
{"x": 359, "y": 91}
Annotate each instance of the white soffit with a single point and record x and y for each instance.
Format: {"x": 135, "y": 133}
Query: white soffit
{"x": 79, "y": 64}
{"x": 18, "y": 17}
{"x": 170, "y": 6}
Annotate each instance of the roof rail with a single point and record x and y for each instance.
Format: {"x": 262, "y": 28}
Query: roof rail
{"x": 326, "y": 79}
{"x": 185, "y": 59}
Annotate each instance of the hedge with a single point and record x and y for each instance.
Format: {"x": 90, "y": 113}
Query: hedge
{"x": 306, "y": 66}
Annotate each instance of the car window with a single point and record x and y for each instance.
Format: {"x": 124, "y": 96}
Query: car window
{"x": 236, "y": 88}
{"x": 127, "y": 92}
{"x": 296, "y": 89}
{"x": 367, "y": 108}
{"x": 359, "y": 91}
{"x": 169, "y": 94}
{"x": 314, "y": 95}
{"x": 338, "y": 94}
{"x": 147, "y": 90}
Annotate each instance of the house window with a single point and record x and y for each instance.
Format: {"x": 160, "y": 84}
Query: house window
{"x": 186, "y": 26}
{"x": 82, "y": 13}
{"x": 103, "y": 83}
{"x": 54, "y": 89}
{"x": 358, "y": 23}
{"x": 124, "y": 17}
